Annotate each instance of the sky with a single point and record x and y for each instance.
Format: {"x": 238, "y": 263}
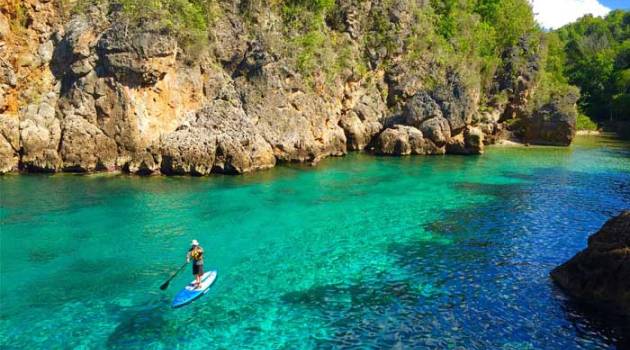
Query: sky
{"x": 553, "y": 14}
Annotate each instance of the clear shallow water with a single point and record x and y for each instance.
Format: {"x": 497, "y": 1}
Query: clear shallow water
{"x": 435, "y": 252}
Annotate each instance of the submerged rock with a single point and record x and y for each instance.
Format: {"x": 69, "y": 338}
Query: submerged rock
{"x": 600, "y": 274}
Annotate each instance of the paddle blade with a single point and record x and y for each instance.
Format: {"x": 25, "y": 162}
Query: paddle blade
{"x": 165, "y": 285}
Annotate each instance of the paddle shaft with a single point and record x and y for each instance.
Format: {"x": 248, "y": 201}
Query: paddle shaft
{"x": 165, "y": 284}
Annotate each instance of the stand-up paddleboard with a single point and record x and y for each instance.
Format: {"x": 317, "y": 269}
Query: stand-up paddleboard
{"x": 190, "y": 293}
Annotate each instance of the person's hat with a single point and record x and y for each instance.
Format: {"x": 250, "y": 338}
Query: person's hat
{"x": 194, "y": 242}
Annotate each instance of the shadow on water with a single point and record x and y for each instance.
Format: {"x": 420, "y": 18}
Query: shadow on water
{"x": 585, "y": 318}
{"x": 514, "y": 250}
{"x": 378, "y": 310}
{"x": 138, "y": 325}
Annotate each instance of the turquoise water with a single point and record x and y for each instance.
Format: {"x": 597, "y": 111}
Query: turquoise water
{"x": 361, "y": 251}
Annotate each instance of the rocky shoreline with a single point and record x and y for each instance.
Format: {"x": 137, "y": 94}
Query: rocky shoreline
{"x": 87, "y": 92}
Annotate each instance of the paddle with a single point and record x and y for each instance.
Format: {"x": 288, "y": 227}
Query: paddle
{"x": 165, "y": 284}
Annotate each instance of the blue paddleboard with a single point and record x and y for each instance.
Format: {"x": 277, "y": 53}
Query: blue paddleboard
{"x": 190, "y": 293}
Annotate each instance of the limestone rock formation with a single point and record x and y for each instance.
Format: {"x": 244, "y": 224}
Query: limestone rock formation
{"x": 400, "y": 140}
{"x": 600, "y": 274}
{"x": 219, "y": 138}
{"x": 92, "y": 90}
{"x": 554, "y": 123}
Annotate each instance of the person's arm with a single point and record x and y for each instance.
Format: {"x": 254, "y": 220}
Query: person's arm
{"x": 188, "y": 257}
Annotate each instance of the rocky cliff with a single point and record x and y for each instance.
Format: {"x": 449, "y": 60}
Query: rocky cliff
{"x": 90, "y": 90}
{"x": 600, "y": 274}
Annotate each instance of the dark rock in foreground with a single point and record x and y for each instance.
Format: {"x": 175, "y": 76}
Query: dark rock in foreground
{"x": 600, "y": 274}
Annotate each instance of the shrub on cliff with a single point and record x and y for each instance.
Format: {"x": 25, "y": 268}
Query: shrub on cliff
{"x": 187, "y": 20}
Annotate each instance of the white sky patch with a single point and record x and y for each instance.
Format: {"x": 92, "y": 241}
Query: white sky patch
{"x": 552, "y": 14}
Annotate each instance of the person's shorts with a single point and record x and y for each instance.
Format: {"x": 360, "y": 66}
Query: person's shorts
{"x": 197, "y": 269}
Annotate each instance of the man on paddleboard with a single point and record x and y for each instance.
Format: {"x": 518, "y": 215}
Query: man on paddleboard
{"x": 195, "y": 253}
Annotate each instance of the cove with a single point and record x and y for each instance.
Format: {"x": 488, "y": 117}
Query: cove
{"x": 360, "y": 251}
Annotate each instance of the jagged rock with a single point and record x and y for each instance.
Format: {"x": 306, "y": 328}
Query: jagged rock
{"x": 456, "y": 102}
{"x": 126, "y": 96}
{"x": 40, "y": 134}
{"x": 189, "y": 151}
{"x": 420, "y": 108}
{"x": 74, "y": 53}
{"x": 254, "y": 60}
{"x": 349, "y": 16}
{"x": 358, "y": 131}
{"x": 299, "y": 124}
{"x": 600, "y": 274}
{"x": 553, "y": 123}
{"x": 85, "y": 148}
{"x": 437, "y": 130}
{"x": 400, "y": 140}
{"x": 517, "y": 78}
{"x": 230, "y": 37}
{"x": 219, "y": 139}
{"x": 136, "y": 58}
{"x": 364, "y": 118}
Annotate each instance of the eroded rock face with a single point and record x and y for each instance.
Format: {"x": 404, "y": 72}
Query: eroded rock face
{"x": 456, "y": 103}
{"x": 420, "y": 108}
{"x": 137, "y": 58}
{"x": 219, "y": 138}
{"x": 300, "y": 125}
{"x": 95, "y": 92}
{"x": 600, "y": 274}
{"x": 363, "y": 115}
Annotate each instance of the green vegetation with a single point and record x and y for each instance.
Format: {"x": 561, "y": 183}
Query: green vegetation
{"x": 187, "y": 20}
{"x": 585, "y": 123}
{"x": 597, "y": 59}
{"x": 471, "y": 37}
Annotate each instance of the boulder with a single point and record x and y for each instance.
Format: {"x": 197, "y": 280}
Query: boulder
{"x": 554, "y": 123}
{"x": 600, "y": 274}
{"x": 471, "y": 141}
{"x": 437, "y": 130}
{"x": 400, "y": 140}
